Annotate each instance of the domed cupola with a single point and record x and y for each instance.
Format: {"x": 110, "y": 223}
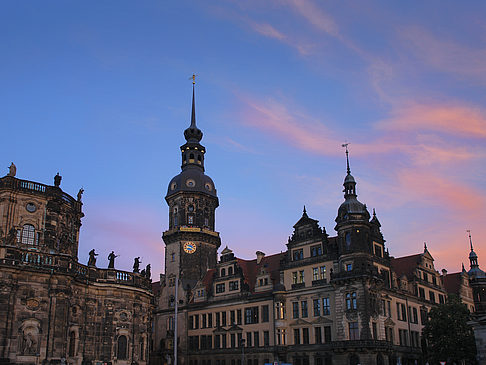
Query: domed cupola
{"x": 192, "y": 177}
{"x": 474, "y": 271}
{"x": 351, "y": 210}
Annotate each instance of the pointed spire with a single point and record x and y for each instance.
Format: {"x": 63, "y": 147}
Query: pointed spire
{"x": 193, "y": 133}
{"x": 305, "y": 212}
{"x": 374, "y": 213}
{"x": 425, "y": 246}
{"x": 193, "y": 115}
{"x": 470, "y": 239}
{"x": 345, "y": 145}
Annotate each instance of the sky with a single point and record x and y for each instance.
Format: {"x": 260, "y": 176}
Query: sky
{"x": 100, "y": 92}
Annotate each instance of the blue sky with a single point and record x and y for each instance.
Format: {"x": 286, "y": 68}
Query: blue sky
{"x": 100, "y": 92}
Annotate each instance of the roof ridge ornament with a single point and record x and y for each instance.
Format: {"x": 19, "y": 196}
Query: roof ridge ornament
{"x": 345, "y": 145}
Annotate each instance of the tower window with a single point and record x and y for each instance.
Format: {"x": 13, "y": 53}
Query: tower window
{"x": 122, "y": 348}
{"x": 190, "y": 219}
{"x": 191, "y": 158}
{"x": 28, "y": 235}
{"x": 348, "y": 240}
{"x": 199, "y": 159}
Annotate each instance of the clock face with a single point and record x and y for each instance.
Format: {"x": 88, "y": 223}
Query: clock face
{"x": 190, "y": 247}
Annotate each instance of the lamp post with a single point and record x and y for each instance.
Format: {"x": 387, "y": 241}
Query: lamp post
{"x": 242, "y": 344}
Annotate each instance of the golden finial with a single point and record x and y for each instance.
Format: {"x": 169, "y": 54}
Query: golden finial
{"x": 193, "y": 78}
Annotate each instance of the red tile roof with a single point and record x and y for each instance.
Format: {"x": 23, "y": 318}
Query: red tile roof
{"x": 251, "y": 269}
{"x": 406, "y": 265}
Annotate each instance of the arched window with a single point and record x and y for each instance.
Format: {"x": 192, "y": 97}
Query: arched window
{"x": 28, "y": 235}
{"x": 122, "y": 348}
{"x": 176, "y": 219}
{"x": 223, "y": 272}
{"x": 72, "y": 344}
{"x": 199, "y": 159}
{"x": 191, "y": 157}
{"x": 230, "y": 270}
{"x": 348, "y": 239}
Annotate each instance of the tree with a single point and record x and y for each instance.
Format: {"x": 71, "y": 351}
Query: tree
{"x": 449, "y": 337}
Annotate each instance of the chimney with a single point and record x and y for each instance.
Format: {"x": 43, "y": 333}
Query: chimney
{"x": 260, "y": 256}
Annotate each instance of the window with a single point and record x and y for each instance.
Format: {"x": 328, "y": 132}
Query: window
{"x": 266, "y": 338}
{"x": 218, "y": 319}
{"x": 204, "y": 321}
{"x": 256, "y": 339}
{"x": 316, "y": 250}
{"x": 403, "y": 337}
{"x": 233, "y": 340}
{"x": 353, "y": 331}
{"x": 348, "y": 240}
{"x": 301, "y": 276}
{"x": 232, "y": 317}
{"x": 196, "y": 322}
{"x": 315, "y": 273}
{"x": 210, "y": 320}
{"x": 279, "y": 310}
{"x": 281, "y": 336}
{"x": 401, "y": 312}
{"x": 122, "y": 348}
{"x": 265, "y": 313}
{"x": 233, "y": 285}
{"x": 349, "y": 267}
{"x": 305, "y": 336}
{"x": 217, "y": 342}
{"x": 432, "y": 296}
{"x": 327, "y": 334}
{"x": 230, "y": 270}
{"x": 72, "y": 344}
{"x": 190, "y": 219}
{"x": 296, "y": 336}
{"x": 238, "y": 316}
{"x": 298, "y": 255}
{"x": 251, "y": 315}
{"x": 220, "y": 288}
{"x": 374, "y": 330}
{"x": 223, "y": 341}
{"x": 415, "y": 338}
{"x": 317, "y": 307}
{"x": 441, "y": 299}
{"x": 326, "y": 308}
{"x": 434, "y": 280}
{"x": 389, "y": 334}
{"x": 223, "y": 272}
{"x": 249, "y": 339}
{"x": 172, "y": 257}
{"x": 415, "y": 315}
{"x": 317, "y": 335}
{"x": 298, "y": 277}
{"x": 295, "y": 309}
{"x": 303, "y": 307}
{"x": 378, "y": 251}
{"x": 423, "y": 316}
{"x": 422, "y": 293}
{"x": 351, "y": 301}
{"x": 28, "y": 235}
{"x": 322, "y": 272}
{"x": 223, "y": 319}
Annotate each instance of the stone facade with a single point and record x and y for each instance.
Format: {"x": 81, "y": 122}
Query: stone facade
{"x": 326, "y": 300}
{"x": 52, "y": 308}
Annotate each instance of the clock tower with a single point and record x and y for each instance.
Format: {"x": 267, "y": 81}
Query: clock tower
{"x": 191, "y": 243}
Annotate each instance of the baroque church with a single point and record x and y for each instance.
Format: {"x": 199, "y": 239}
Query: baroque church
{"x": 328, "y": 299}
{"x": 53, "y": 309}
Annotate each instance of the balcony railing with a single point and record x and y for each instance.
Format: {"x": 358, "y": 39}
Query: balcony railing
{"x": 24, "y": 259}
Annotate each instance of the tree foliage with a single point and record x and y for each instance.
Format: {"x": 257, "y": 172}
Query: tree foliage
{"x": 449, "y": 337}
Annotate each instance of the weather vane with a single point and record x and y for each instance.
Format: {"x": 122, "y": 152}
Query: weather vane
{"x": 193, "y": 78}
{"x": 345, "y": 145}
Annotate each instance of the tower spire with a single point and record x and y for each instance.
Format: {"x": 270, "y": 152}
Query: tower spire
{"x": 470, "y": 239}
{"x": 345, "y": 145}
{"x": 193, "y": 115}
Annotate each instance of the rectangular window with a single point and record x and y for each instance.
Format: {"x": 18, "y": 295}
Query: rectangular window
{"x": 415, "y": 315}
{"x": 315, "y": 273}
{"x": 294, "y": 277}
{"x": 432, "y": 296}
{"x": 388, "y": 304}
{"x": 217, "y": 342}
{"x": 265, "y": 313}
{"x": 298, "y": 255}
{"x": 190, "y": 219}
{"x": 296, "y": 336}
{"x": 322, "y": 272}
{"x": 441, "y": 299}
{"x": 327, "y": 334}
{"x": 223, "y": 319}
{"x": 389, "y": 334}
{"x": 220, "y": 288}
{"x": 353, "y": 331}
{"x": 403, "y": 337}
{"x": 266, "y": 338}
{"x": 233, "y": 285}
{"x": 238, "y": 316}
{"x": 233, "y": 340}
{"x": 326, "y": 308}
{"x": 251, "y": 315}
{"x": 191, "y": 322}
{"x": 317, "y": 335}
{"x": 375, "y": 330}
{"x": 249, "y": 339}
{"x": 303, "y": 307}
{"x": 210, "y": 320}
{"x": 204, "y": 321}
{"x": 421, "y": 293}
{"x": 232, "y": 317}
{"x": 218, "y": 319}
{"x": 351, "y": 301}
{"x": 223, "y": 341}
{"x": 316, "y": 250}
{"x": 301, "y": 276}
{"x": 423, "y": 316}
{"x": 196, "y": 322}
{"x": 256, "y": 339}
{"x": 281, "y": 336}
{"x": 305, "y": 336}
{"x": 279, "y": 310}
{"x": 349, "y": 267}
{"x": 317, "y": 307}
{"x": 295, "y": 309}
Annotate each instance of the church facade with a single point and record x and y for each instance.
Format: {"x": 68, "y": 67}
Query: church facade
{"x": 328, "y": 299}
{"x": 54, "y": 309}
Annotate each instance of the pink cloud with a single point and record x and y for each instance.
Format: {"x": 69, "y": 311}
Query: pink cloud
{"x": 446, "y": 55}
{"x": 454, "y": 119}
{"x": 315, "y": 16}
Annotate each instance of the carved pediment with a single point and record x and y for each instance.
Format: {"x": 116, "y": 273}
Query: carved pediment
{"x": 235, "y": 328}
{"x": 322, "y": 320}
{"x": 299, "y": 322}
{"x": 389, "y": 322}
{"x": 219, "y": 330}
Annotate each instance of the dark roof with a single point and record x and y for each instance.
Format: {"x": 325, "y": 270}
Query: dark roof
{"x": 251, "y": 269}
{"x": 156, "y": 287}
{"x": 452, "y": 282}
{"x": 207, "y": 280}
{"x": 405, "y": 265}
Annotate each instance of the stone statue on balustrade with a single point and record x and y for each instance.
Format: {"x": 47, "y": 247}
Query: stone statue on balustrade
{"x": 12, "y": 170}
{"x": 92, "y": 258}
{"x": 57, "y": 180}
{"x": 111, "y": 259}
{"x": 136, "y": 265}
{"x": 148, "y": 274}
{"x": 80, "y": 194}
